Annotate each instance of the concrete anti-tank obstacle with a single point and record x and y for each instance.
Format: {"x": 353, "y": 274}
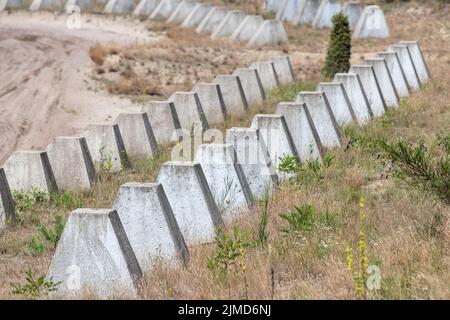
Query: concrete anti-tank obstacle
{"x": 271, "y": 32}
{"x": 302, "y": 130}
{"x": 212, "y": 20}
{"x": 164, "y": 121}
{"x": 229, "y": 24}
{"x": 371, "y": 24}
{"x": 404, "y": 55}
{"x": 197, "y": 15}
{"x": 324, "y": 16}
{"x": 106, "y": 147}
{"x": 283, "y": 69}
{"x": 182, "y": 11}
{"x": 420, "y": 64}
{"x": 189, "y": 109}
{"x": 267, "y": 73}
{"x": 288, "y": 10}
{"x": 272, "y": 5}
{"x": 356, "y": 95}
{"x": 30, "y": 170}
{"x": 339, "y": 102}
{"x": 247, "y": 29}
{"x": 372, "y": 88}
{"x": 352, "y": 10}
{"x": 211, "y": 99}
{"x": 71, "y": 163}
{"x": 48, "y": 5}
{"x": 150, "y": 224}
{"x": 137, "y": 134}
{"x": 254, "y": 159}
{"x": 252, "y": 85}
{"x": 233, "y": 93}
{"x": 164, "y": 9}
{"x": 396, "y": 71}
{"x": 384, "y": 80}
{"x": 119, "y": 6}
{"x": 146, "y": 7}
{"x": 323, "y": 117}
{"x": 225, "y": 177}
{"x": 192, "y": 201}
{"x": 94, "y": 256}
{"x": 7, "y": 214}
{"x": 307, "y": 11}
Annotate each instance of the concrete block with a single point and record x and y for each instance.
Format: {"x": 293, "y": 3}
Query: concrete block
{"x": 339, "y": 102}
{"x": 372, "y": 88}
{"x": 146, "y": 7}
{"x": 283, "y": 69}
{"x": 137, "y": 134}
{"x": 212, "y": 102}
{"x": 404, "y": 55}
{"x": 352, "y": 10}
{"x": 150, "y": 224}
{"x": 418, "y": 59}
{"x": 254, "y": 159}
{"x": 288, "y": 10}
{"x": 119, "y": 6}
{"x": 28, "y": 170}
{"x": 212, "y": 20}
{"x": 233, "y": 93}
{"x": 6, "y": 202}
{"x": 267, "y": 73}
{"x": 189, "y": 110}
{"x": 271, "y": 32}
{"x": 396, "y": 71}
{"x": 229, "y": 24}
{"x": 356, "y": 95}
{"x": 13, "y": 4}
{"x": 164, "y": 9}
{"x": 272, "y": 5}
{"x": 247, "y": 29}
{"x": 106, "y": 147}
{"x": 323, "y": 117}
{"x": 94, "y": 255}
{"x": 324, "y": 16}
{"x": 252, "y": 85}
{"x": 302, "y": 129}
{"x": 85, "y": 5}
{"x": 163, "y": 120}
{"x": 182, "y": 11}
{"x": 371, "y": 24}
{"x": 384, "y": 80}
{"x": 197, "y": 15}
{"x": 71, "y": 163}
{"x": 192, "y": 201}
{"x": 307, "y": 11}
{"x": 47, "y": 5}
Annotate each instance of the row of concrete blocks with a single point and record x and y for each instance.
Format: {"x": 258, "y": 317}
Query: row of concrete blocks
{"x": 108, "y": 250}
{"x": 72, "y": 163}
{"x": 367, "y": 22}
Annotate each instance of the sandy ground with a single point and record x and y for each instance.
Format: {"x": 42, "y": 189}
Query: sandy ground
{"x": 45, "y": 84}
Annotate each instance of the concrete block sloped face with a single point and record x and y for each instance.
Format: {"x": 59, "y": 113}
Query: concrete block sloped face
{"x": 419, "y": 61}
{"x": 371, "y": 24}
{"x": 164, "y": 121}
{"x": 6, "y": 202}
{"x": 325, "y": 13}
{"x": 94, "y": 257}
{"x": 396, "y": 71}
{"x": 119, "y": 6}
{"x": 189, "y": 110}
{"x": 307, "y": 11}
{"x": 13, "y": 4}
{"x": 272, "y": 5}
{"x": 288, "y": 10}
{"x": 247, "y": 29}
{"x": 233, "y": 93}
{"x": 182, "y": 11}
{"x": 229, "y": 24}
{"x": 283, "y": 69}
{"x": 339, "y": 101}
{"x": 251, "y": 85}
{"x": 146, "y": 7}
{"x": 211, "y": 99}
{"x": 267, "y": 73}
{"x": 212, "y": 20}
{"x": 271, "y": 32}
{"x": 385, "y": 81}
{"x": 48, "y": 5}
{"x": 164, "y": 9}
{"x": 352, "y": 10}
{"x": 197, "y": 15}
{"x": 404, "y": 55}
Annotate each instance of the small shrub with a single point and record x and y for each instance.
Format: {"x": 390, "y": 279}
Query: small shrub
{"x": 35, "y": 287}
{"x": 98, "y": 54}
{"x": 53, "y": 235}
{"x": 300, "y": 220}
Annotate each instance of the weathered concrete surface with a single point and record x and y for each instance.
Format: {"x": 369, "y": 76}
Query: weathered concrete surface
{"x": 247, "y": 29}
{"x": 94, "y": 256}
{"x": 137, "y": 134}
{"x": 267, "y": 73}
{"x": 71, "y": 163}
{"x": 385, "y": 81}
{"x": 192, "y": 201}
{"x": 119, "y": 6}
{"x": 28, "y": 170}
{"x": 164, "y": 9}
{"x": 182, "y": 11}
{"x": 352, "y": 10}
{"x": 14, "y": 4}
{"x": 189, "y": 110}
{"x": 372, "y": 88}
{"x": 48, "y": 5}
{"x": 288, "y": 10}
{"x": 272, "y": 5}
{"x": 252, "y": 85}
{"x": 233, "y": 93}
{"x": 6, "y": 202}
{"x": 404, "y": 55}
{"x": 163, "y": 120}
{"x": 325, "y": 13}
{"x": 106, "y": 147}
{"x": 396, "y": 71}
{"x": 85, "y": 5}
{"x": 371, "y": 24}
{"x": 283, "y": 69}
{"x": 302, "y": 130}
{"x": 212, "y": 102}
{"x": 212, "y": 20}
{"x": 307, "y": 11}
{"x": 323, "y": 117}
{"x": 229, "y": 24}
{"x": 271, "y": 32}
{"x": 418, "y": 59}
{"x": 339, "y": 102}
{"x": 146, "y": 7}
{"x": 197, "y": 15}
{"x": 150, "y": 224}
{"x": 254, "y": 159}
